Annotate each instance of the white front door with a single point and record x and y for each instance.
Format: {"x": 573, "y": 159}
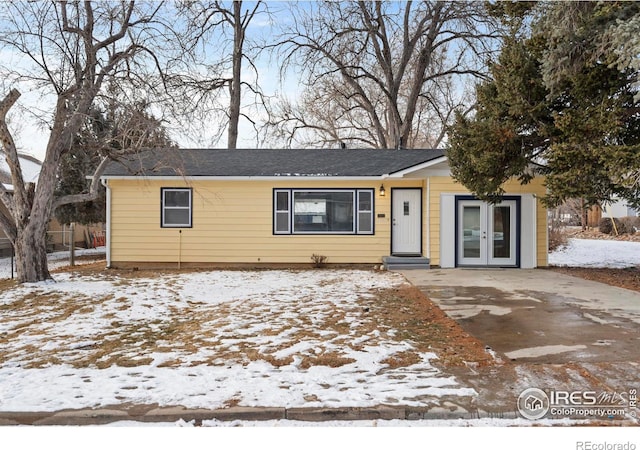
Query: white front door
{"x": 406, "y": 218}
{"x": 487, "y": 234}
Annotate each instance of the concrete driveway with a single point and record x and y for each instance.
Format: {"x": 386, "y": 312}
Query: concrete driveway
{"x": 538, "y": 315}
{"x": 546, "y": 330}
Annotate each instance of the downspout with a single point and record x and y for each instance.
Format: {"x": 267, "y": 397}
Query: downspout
{"x": 107, "y": 243}
{"x": 428, "y": 227}
{"x": 179, "y": 249}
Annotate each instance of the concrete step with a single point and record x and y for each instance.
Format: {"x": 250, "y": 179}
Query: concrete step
{"x": 405, "y": 262}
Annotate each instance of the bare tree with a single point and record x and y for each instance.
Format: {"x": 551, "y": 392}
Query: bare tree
{"x": 68, "y": 51}
{"x": 210, "y": 21}
{"x": 388, "y": 69}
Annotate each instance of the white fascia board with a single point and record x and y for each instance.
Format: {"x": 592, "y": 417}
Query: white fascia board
{"x": 418, "y": 167}
{"x": 265, "y": 178}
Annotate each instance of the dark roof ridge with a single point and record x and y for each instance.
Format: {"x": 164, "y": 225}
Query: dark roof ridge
{"x": 272, "y": 162}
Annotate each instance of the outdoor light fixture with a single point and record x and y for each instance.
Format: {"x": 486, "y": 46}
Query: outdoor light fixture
{"x": 382, "y": 191}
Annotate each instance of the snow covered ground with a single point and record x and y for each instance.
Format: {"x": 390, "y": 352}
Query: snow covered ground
{"x": 208, "y": 340}
{"x": 597, "y": 253}
{"x": 90, "y": 341}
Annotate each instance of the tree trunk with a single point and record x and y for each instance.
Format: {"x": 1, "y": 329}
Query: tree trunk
{"x": 234, "y": 107}
{"x": 31, "y": 256}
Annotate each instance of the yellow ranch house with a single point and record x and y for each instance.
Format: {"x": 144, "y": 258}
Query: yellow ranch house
{"x": 397, "y": 208}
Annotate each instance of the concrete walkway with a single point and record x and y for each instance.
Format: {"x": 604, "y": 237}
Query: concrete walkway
{"x": 155, "y": 414}
{"x": 552, "y": 331}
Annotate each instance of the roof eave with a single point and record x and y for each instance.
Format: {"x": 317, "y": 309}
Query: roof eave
{"x": 241, "y": 178}
{"x": 417, "y": 167}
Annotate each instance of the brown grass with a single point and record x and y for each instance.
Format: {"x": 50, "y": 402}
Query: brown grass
{"x": 421, "y": 322}
{"x": 402, "y": 359}
{"x": 625, "y": 278}
{"x": 412, "y": 316}
{"x": 330, "y": 359}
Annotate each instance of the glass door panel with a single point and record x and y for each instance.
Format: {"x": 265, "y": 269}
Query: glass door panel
{"x": 471, "y": 224}
{"x": 501, "y": 230}
{"x": 502, "y": 234}
{"x": 472, "y": 234}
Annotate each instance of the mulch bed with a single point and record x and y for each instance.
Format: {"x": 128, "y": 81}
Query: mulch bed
{"x": 429, "y": 329}
{"x": 594, "y": 233}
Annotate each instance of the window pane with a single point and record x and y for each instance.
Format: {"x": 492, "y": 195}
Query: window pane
{"x": 282, "y": 201}
{"x": 501, "y": 232}
{"x": 313, "y": 206}
{"x": 323, "y": 211}
{"x": 364, "y": 201}
{"x": 282, "y": 222}
{"x": 176, "y": 217}
{"x": 471, "y": 224}
{"x": 177, "y": 198}
{"x": 364, "y": 222}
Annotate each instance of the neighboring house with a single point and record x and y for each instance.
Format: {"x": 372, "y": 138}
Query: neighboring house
{"x": 175, "y": 208}
{"x": 619, "y": 208}
{"x": 58, "y": 235}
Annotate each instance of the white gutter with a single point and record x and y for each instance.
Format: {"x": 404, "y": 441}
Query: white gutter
{"x": 108, "y": 220}
{"x": 246, "y": 178}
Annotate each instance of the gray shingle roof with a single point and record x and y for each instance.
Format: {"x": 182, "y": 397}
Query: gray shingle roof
{"x": 270, "y": 163}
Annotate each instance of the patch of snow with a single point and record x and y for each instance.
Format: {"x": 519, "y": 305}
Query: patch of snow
{"x": 496, "y": 434}
{"x": 534, "y": 352}
{"x": 483, "y": 422}
{"x": 597, "y": 253}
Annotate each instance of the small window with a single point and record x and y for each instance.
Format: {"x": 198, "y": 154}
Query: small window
{"x": 176, "y": 208}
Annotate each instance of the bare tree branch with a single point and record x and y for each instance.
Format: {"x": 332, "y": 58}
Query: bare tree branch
{"x": 375, "y": 59}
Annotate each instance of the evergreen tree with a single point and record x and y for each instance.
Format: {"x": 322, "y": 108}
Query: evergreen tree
{"x": 102, "y": 135}
{"x": 81, "y": 160}
{"x": 579, "y": 125}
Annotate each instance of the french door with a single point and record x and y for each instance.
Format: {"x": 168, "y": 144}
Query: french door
{"x": 487, "y": 234}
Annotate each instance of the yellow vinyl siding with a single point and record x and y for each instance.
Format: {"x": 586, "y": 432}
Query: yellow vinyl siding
{"x": 440, "y": 185}
{"x": 233, "y": 223}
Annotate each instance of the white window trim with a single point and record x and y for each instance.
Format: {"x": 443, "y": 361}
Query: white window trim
{"x": 277, "y": 211}
{"x": 364, "y": 211}
{"x": 163, "y": 224}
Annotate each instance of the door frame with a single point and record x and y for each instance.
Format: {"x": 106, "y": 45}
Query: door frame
{"x": 419, "y": 189}
{"x": 518, "y": 227}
